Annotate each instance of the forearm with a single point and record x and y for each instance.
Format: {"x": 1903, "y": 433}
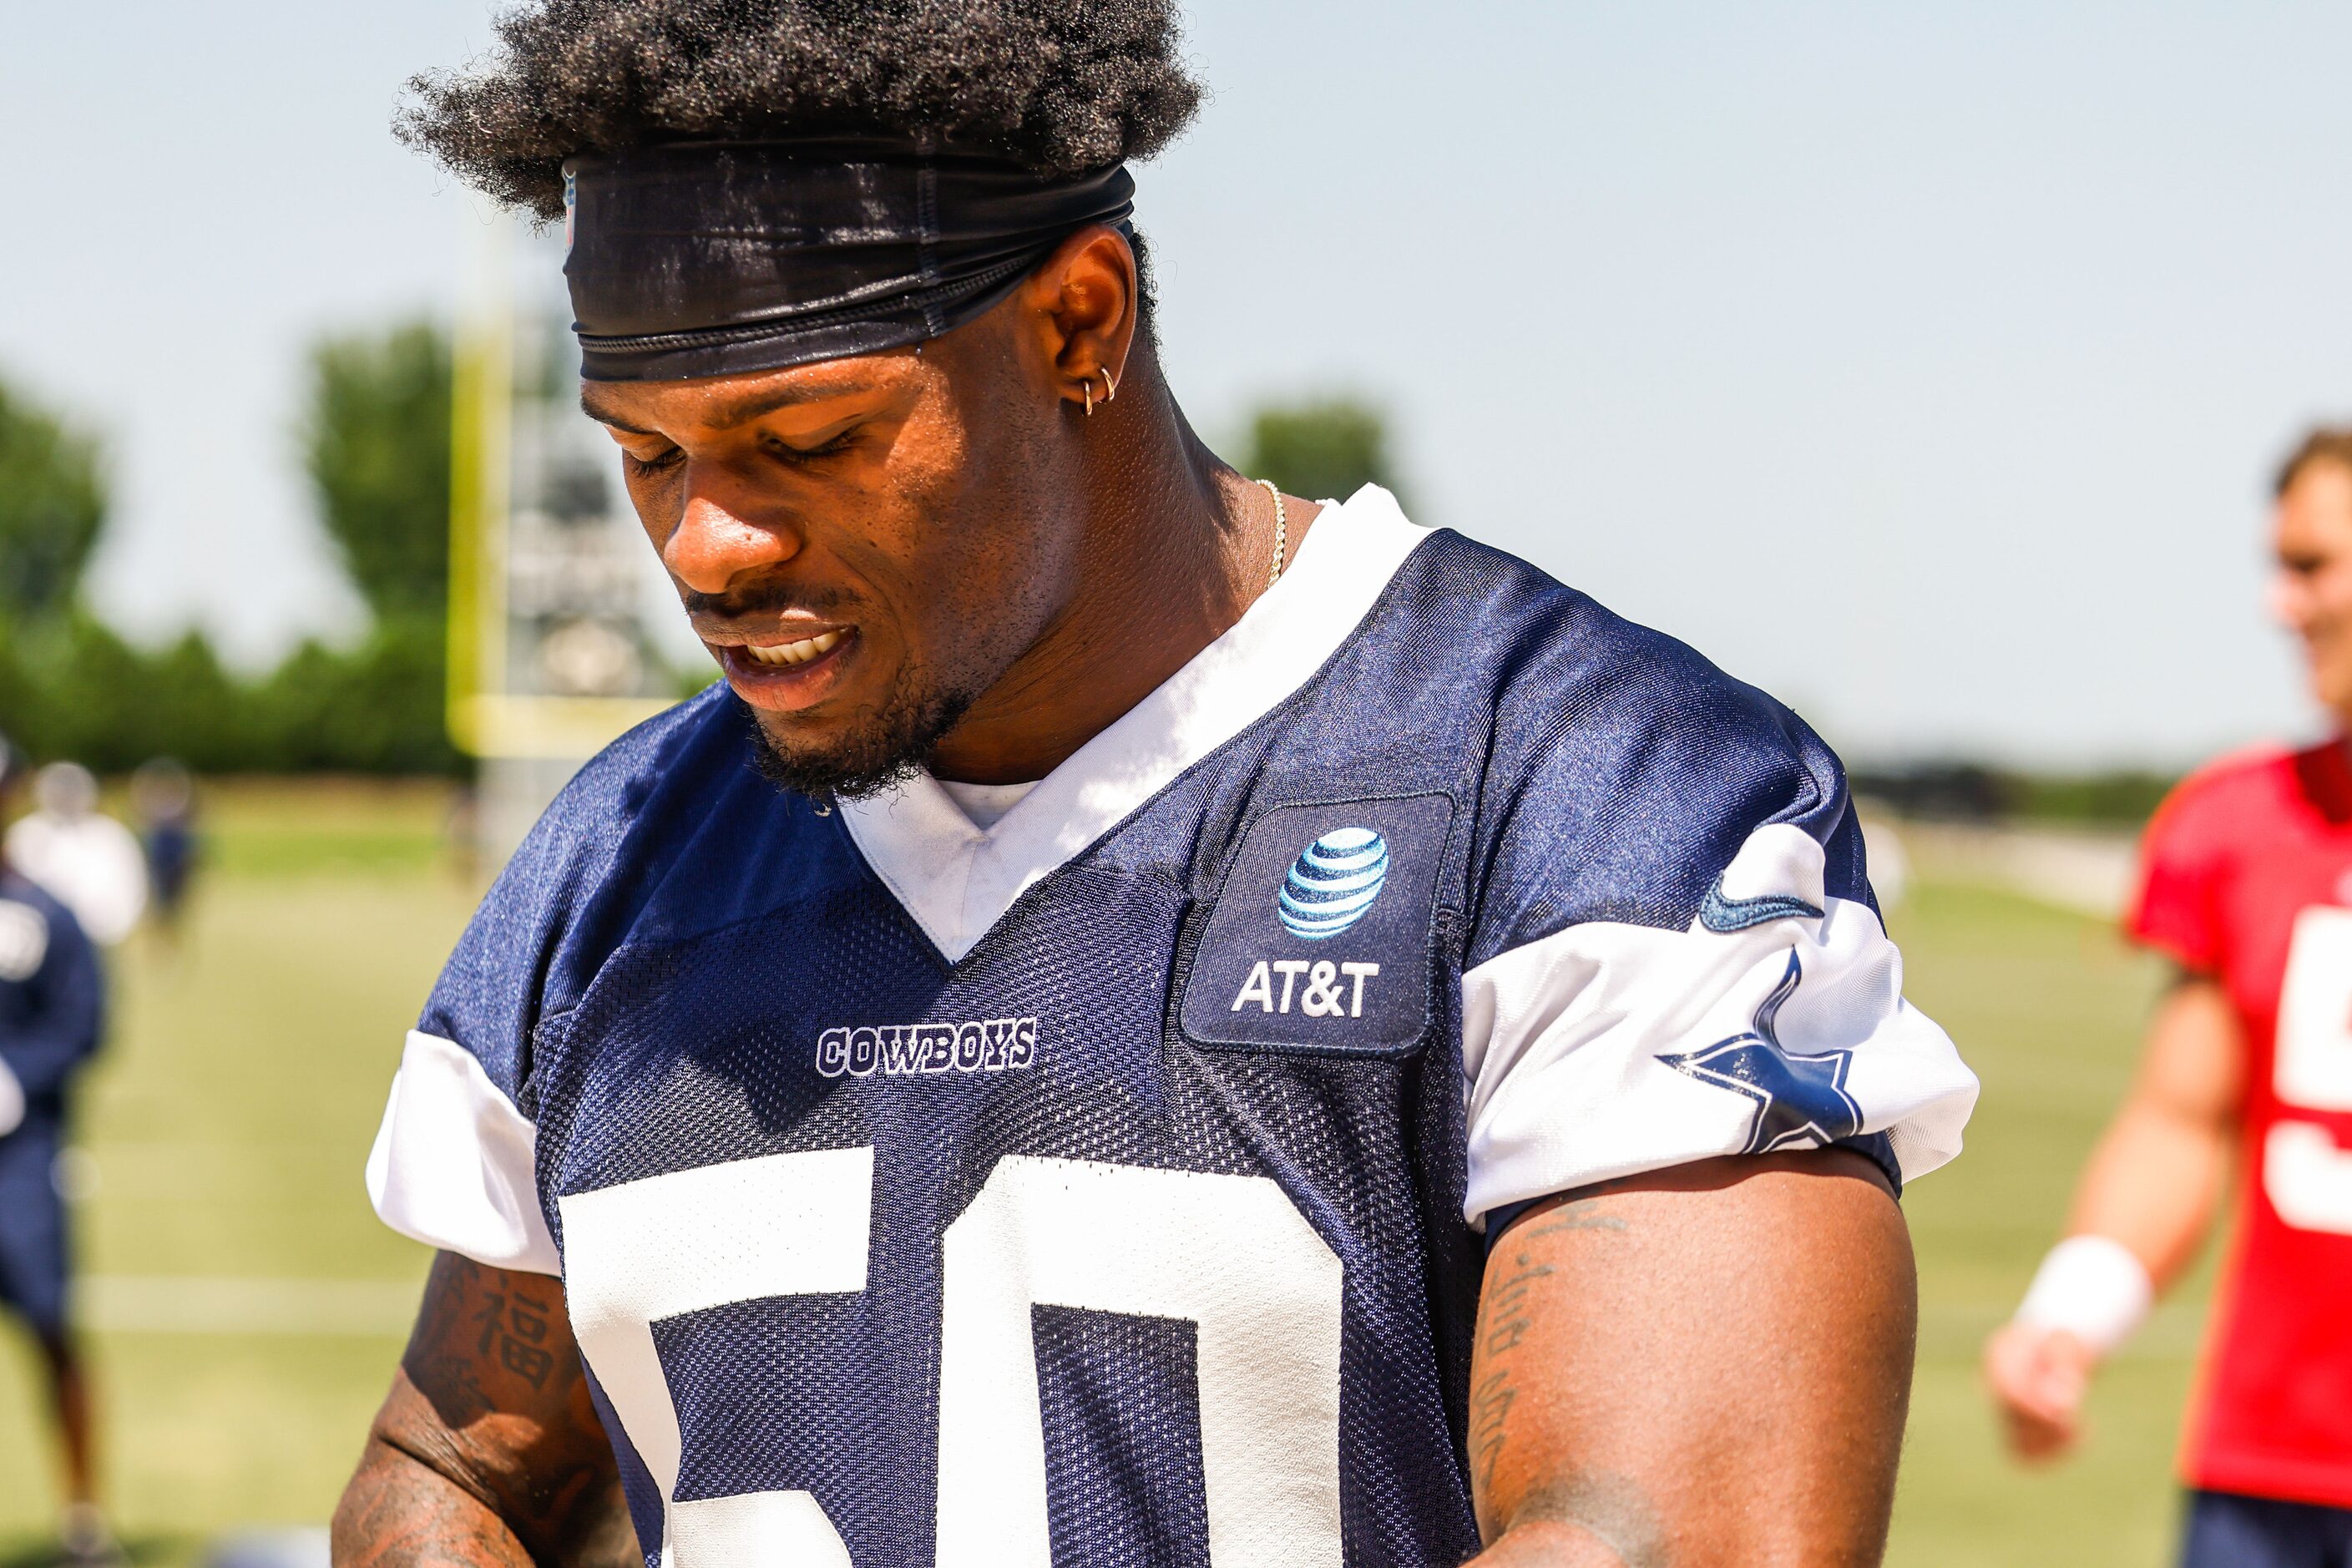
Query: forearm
{"x": 401, "y": 1513}
{"x": 487, "y": 1450}
{"x": 2153, "y": 1184}
{"x": 2141, "y": 1210}
{"x": 2157, "y": 1175}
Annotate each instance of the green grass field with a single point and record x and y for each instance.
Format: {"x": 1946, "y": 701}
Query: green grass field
{"x": 248, "y": 1307}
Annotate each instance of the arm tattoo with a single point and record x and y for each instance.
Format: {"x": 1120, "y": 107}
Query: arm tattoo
{"x": 1503, "y": 1322}
{"x": 1705, "y": 1363}
{"x": 1611, "y": 1509}
{"x": 488, "y": 1451}
{"x": 517, "y": 1325}
{"x": 1575, "y": 1216}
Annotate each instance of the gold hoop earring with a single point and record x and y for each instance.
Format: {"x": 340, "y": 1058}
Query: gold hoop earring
{"x": 1110, "y": 386}
{"x": 1088, "y": 386}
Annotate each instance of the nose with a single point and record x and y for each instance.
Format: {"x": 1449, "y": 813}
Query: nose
{"x": 719, "y": 534}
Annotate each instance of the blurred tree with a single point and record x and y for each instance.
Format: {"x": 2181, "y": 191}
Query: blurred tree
{"x": 374, "y": 708}
{"x": 52, "y": 501}
{"x": 1322, "y": 450}
{"x": 376, "y": 442}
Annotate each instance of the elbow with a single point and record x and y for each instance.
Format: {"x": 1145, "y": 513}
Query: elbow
{"x": 400, "y": 1495}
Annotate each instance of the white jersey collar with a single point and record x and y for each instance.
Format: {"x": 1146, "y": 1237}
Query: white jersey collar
{"x": 957, "y": 880}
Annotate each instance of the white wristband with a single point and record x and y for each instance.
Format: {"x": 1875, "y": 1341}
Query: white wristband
{"x": 2093, "y": 1288}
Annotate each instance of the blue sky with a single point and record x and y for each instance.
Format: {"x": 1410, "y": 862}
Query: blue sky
{"x": 1923, "y": 364}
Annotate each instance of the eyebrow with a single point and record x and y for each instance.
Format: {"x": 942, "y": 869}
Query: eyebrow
{"x": 726, "y": 415}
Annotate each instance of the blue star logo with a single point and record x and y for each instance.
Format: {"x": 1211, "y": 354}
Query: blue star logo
{"x": 1800, "y": 1101}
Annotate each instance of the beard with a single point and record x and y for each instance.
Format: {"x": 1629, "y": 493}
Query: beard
{"x": 893, "y": 745}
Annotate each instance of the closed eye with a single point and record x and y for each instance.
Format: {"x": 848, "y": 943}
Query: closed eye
{"x": 671, "y": 457}
{"x": 790, "y": 454}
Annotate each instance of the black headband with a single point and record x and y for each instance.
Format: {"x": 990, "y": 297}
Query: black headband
{"x": 692, "y": 258}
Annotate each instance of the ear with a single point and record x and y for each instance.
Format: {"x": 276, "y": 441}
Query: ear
{"x": 1080, "y": 307}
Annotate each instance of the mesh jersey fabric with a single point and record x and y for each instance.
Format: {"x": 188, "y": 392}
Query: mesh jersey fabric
{"x": 1098, "y": 1153}
{"x": 2246, "y": 878}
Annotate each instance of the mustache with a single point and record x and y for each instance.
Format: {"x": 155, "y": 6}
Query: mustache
{"x": 766, "y": 598}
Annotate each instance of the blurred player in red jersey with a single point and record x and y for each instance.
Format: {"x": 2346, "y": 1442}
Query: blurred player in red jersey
{"x": 2246, "y": 885}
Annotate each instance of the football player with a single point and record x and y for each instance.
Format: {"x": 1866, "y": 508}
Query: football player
{"x": 2246, "y": 886}
{"x": 1148, "y": 1019}
{"x": 52, "y": 1001}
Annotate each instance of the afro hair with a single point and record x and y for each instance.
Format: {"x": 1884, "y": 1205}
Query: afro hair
{"x": 1060, "y": 86}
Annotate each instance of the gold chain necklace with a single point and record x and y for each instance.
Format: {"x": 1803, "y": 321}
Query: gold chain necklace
{"x": 1281, "y": 530}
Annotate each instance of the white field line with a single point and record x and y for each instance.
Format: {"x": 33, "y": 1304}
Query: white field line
{"x": 210, "y": 1304}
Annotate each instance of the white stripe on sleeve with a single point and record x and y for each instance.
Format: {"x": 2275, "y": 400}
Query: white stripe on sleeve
{"x": 1607, "y": 1049}
{"x": 453, "y": 1162}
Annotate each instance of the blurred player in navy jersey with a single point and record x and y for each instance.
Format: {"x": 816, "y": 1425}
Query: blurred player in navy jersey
{"x": 164, "y": 792}
{"x": 51, "y": 1004}
{"x": 1233, "y": 1029}
{"x": 2246, "y": 886}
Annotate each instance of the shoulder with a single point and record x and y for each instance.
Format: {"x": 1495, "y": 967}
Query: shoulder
{"x": 2199, "y": 840}
{"x": 17, "y": 891}
{"x": 570, "y": 888}
{"x": 1669, "y": 906}
{"x": 668, "y": 832}
{"x": 34, "y": 930}
{"x": 1624, "y": 771}
{"x": 2228, "y": 801}
{"x": 615, "y": 792}
{"x": 1565, "y": 673}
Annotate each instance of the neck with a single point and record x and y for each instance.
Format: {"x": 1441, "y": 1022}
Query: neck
{"x": 1177, "y": 545}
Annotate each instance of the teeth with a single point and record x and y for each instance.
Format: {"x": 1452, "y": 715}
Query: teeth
{"x": 799, "y": 652}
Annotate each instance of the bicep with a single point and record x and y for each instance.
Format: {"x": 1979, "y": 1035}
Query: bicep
{"x": 492, "y": 1394}
{"x": 1708, "y": 1364}
{"x": 2192, "y": 1067}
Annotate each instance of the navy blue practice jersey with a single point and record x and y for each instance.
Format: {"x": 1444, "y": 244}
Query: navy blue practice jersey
{"x": 52, "y": 1004}
{"x": 51, "y": 1015}
{"x": 1105, "y": 1184}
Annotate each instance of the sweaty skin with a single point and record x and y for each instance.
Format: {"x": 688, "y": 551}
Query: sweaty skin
{"x": 965, "y": 540}
{"x": 2156, "y": 1178}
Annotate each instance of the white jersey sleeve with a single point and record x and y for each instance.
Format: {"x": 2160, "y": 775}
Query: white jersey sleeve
{"x": 1607, "y": 1048}
{"x": 1680, "y": 959}
{"x": 455, "y": 1164}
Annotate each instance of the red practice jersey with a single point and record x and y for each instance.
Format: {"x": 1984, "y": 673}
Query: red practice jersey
{"x": 2247, "y": 878}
